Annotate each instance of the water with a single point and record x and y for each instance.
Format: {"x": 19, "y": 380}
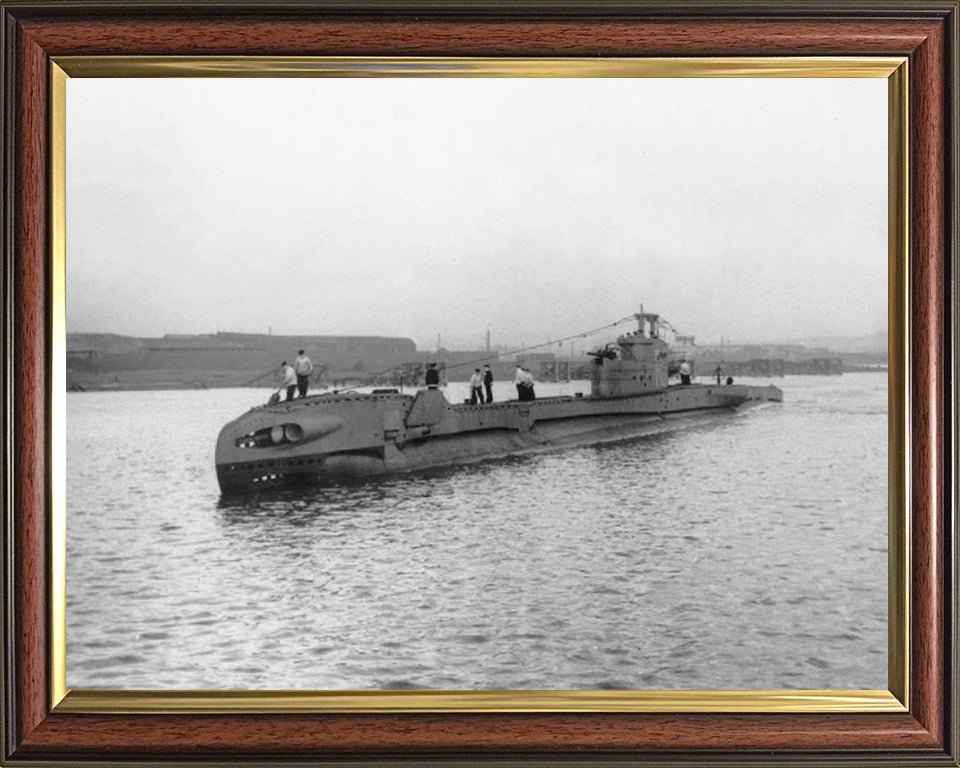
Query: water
{"x": 747, "y": 554}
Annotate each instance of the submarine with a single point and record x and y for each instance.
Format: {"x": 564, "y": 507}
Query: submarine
{"x": 340, "y": 435}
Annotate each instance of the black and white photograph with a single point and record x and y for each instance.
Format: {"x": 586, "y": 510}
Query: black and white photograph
{"x": 508, "y": 383}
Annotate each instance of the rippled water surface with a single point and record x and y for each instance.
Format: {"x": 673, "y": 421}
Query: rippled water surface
{"x": 746, "y": 554}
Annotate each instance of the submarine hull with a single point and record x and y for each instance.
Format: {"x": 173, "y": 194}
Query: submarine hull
{"x": 326, "y": 438}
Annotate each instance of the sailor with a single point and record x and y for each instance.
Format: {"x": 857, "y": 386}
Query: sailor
{"x": 488, "y": 382}
{"x": 289, "y": 380}
{"x": 684, "y": 372}
{"x": 476, "y": 388}
{"x": 432, "y": 377}
{"x": 524, "y": 381}
{"x": 518, "y": 381}
{"x": 718, "y": 372}
{"x": 303, "y": 368}
{"x": 528, "y": 384}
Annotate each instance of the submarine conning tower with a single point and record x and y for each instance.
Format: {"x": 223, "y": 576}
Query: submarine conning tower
{"x": 635, "y": 364}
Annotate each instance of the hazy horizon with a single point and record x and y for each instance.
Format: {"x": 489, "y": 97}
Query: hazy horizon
{"x": 581, "y": 345}
{"x": 750, "y": 209}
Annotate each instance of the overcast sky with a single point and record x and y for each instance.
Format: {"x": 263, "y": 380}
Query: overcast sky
{"x": 752, "y": 208}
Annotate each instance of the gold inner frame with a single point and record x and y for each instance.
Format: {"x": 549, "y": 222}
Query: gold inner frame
{"x": 895, "y": 699}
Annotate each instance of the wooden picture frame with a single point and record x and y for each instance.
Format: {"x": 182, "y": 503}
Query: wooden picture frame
{"x": 39, "y": 730}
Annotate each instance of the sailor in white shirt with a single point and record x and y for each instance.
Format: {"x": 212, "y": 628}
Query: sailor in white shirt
{"x": 303, "y": 368}
{"x": 684, "y": 372}
{"x": 289, "y": 380}
{"x": 476, "y": 387}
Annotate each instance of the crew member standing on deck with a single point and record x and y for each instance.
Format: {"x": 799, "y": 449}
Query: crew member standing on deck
{"x": 303, "y": 368}
{"x": 488, "y": 382}
{"x": 528, "y": 391}
{"x": 289, "y": 380}
{"x": 476, "y": 388}
{"x": 432, "y": 377}
{"x": 518, "y": 381}
{"x": 684, "y": 372}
